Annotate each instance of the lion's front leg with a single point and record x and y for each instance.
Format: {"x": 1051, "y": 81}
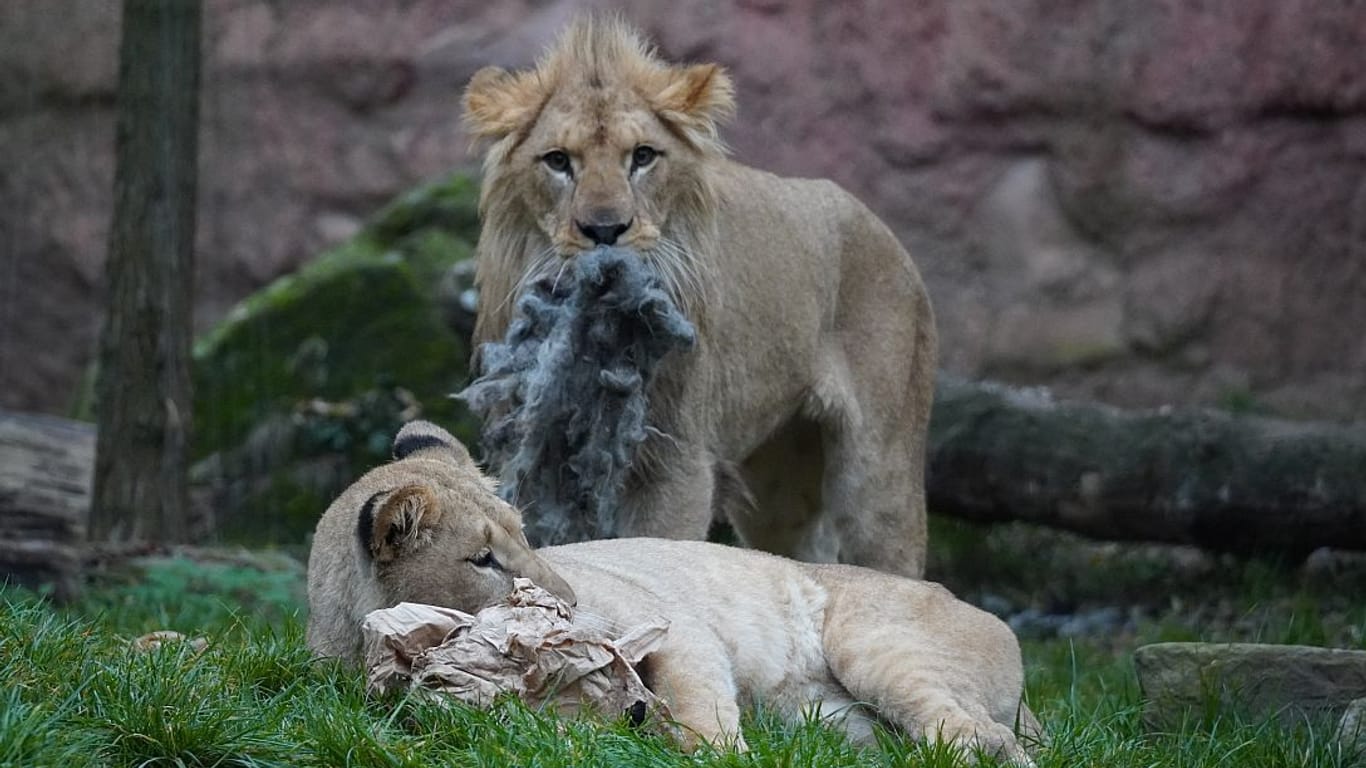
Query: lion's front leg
{"x": 669, "y": 496}
{"x": 696, "y": 682}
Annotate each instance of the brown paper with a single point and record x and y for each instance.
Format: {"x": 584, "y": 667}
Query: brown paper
{"x": 154, "y": 640}
{"x": 533, "y": 645}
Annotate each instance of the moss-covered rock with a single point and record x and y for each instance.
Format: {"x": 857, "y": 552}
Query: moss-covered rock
{"x": 326, "y": 351}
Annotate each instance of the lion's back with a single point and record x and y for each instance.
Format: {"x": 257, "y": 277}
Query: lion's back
{"x": 789, "y": 216}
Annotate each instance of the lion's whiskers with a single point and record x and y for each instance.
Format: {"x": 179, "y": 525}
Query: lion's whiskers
{"x": 555, "y": 285}
{"x": 680, "y": 271}
{"x": 537, "y": 267}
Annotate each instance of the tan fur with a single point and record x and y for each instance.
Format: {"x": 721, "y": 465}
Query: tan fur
{"x": 814, "y": 367}
{"x": 745, "y": 627}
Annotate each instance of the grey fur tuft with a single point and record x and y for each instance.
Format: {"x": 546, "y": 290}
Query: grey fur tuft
{"x": 563, "y": 397}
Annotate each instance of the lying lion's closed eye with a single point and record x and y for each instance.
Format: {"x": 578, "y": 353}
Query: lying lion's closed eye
{"x": 485, "y": 559}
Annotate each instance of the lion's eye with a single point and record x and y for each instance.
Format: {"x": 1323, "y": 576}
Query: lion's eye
{"x": 485, "y": 559}
{"x": 643, "y": 156}
{"x": 556, "y": 160}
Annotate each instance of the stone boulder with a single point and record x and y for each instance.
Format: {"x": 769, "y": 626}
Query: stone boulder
{"x": 304, "y": 383}
{"x": 1291, "y": 683}
{"x": 1352, "y": 728}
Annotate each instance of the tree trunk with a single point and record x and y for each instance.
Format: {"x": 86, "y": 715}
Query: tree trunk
{"x": 1222, "y": 482}
{"x": 143, "y": 391}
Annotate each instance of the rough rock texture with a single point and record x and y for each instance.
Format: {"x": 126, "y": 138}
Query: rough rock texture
{"x": 46, "y": 465}
{"x": 1352, "y": 728}
{"x": 299, "y": 389}
{"x": 1289, "y": 682}
{"x": 362, "y": 315}
{"x": 1141, "y": 202}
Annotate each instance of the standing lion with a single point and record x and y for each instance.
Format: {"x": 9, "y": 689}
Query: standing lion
{"x": 800, "y": 415}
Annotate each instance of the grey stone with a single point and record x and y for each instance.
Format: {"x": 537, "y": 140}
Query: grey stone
{"x": 1101, "y": 621}
{"x": 1352, "y": 730}
{"x": 1033, "y": 623}
{"x": 1289, "y": 682}
{"x": 996, "y": 604}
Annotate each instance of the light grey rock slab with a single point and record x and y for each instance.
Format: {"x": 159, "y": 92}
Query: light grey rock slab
{"x": 1292, "y": 683}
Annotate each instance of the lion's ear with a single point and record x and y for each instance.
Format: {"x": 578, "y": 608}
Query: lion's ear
{"x": 696, "y": 99}
{"x": 400, "y": 521}
{"x": 498, "y": 102}
{"x": 426, "y": 438}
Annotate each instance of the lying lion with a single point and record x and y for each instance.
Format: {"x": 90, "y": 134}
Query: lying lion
{"x": 814, "y": 364}
{"x": 854, "y": 644}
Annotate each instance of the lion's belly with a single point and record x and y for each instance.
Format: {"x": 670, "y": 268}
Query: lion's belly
{"x": 764, "y": 613}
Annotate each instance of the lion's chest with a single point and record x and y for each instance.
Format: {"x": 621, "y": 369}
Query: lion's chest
{"x": 776, "y": 649}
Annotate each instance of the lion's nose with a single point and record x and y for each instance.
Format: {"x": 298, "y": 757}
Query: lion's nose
{"x": 603, "y": 234}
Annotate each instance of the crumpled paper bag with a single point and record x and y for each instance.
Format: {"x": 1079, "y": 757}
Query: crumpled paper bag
{"x": 154, "y": 640}
{"x": 533, "y": 645}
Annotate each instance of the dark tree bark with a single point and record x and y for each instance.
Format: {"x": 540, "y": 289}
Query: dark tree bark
{"x": 1222, "y": 482}
{"x": 143, "y": 389}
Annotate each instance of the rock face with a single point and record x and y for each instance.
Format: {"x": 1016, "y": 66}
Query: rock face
{"x": 365, "y": 314}
{"x": 1140, "y": 202}
{"x": 299, "y": 389}
{"x": 1288, "y": 682}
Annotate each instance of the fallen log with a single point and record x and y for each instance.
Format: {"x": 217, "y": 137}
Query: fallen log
{"x": 1223, "y": 482}
{"x": 45, "y": 472}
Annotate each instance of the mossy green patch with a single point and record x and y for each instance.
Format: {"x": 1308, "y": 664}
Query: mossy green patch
{"x": 343, "y": 325}
{"x": 448, "y": 208}
{"x": 364, "y": 318}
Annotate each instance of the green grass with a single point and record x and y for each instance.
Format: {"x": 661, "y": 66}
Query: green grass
{"x": 73, "y": 693}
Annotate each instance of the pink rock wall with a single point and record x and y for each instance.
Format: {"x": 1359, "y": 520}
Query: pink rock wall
{"x": 1138, "y": 202}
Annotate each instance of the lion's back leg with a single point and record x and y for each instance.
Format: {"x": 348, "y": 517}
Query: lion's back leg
{"x": 873, "y": 500}
{"x": 932, "y": 666}
{"x": 872, "y": 392}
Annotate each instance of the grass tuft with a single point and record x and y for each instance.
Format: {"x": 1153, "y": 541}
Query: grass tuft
{"x": 34, "y": 734}
{"x": 173, "y": 706}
